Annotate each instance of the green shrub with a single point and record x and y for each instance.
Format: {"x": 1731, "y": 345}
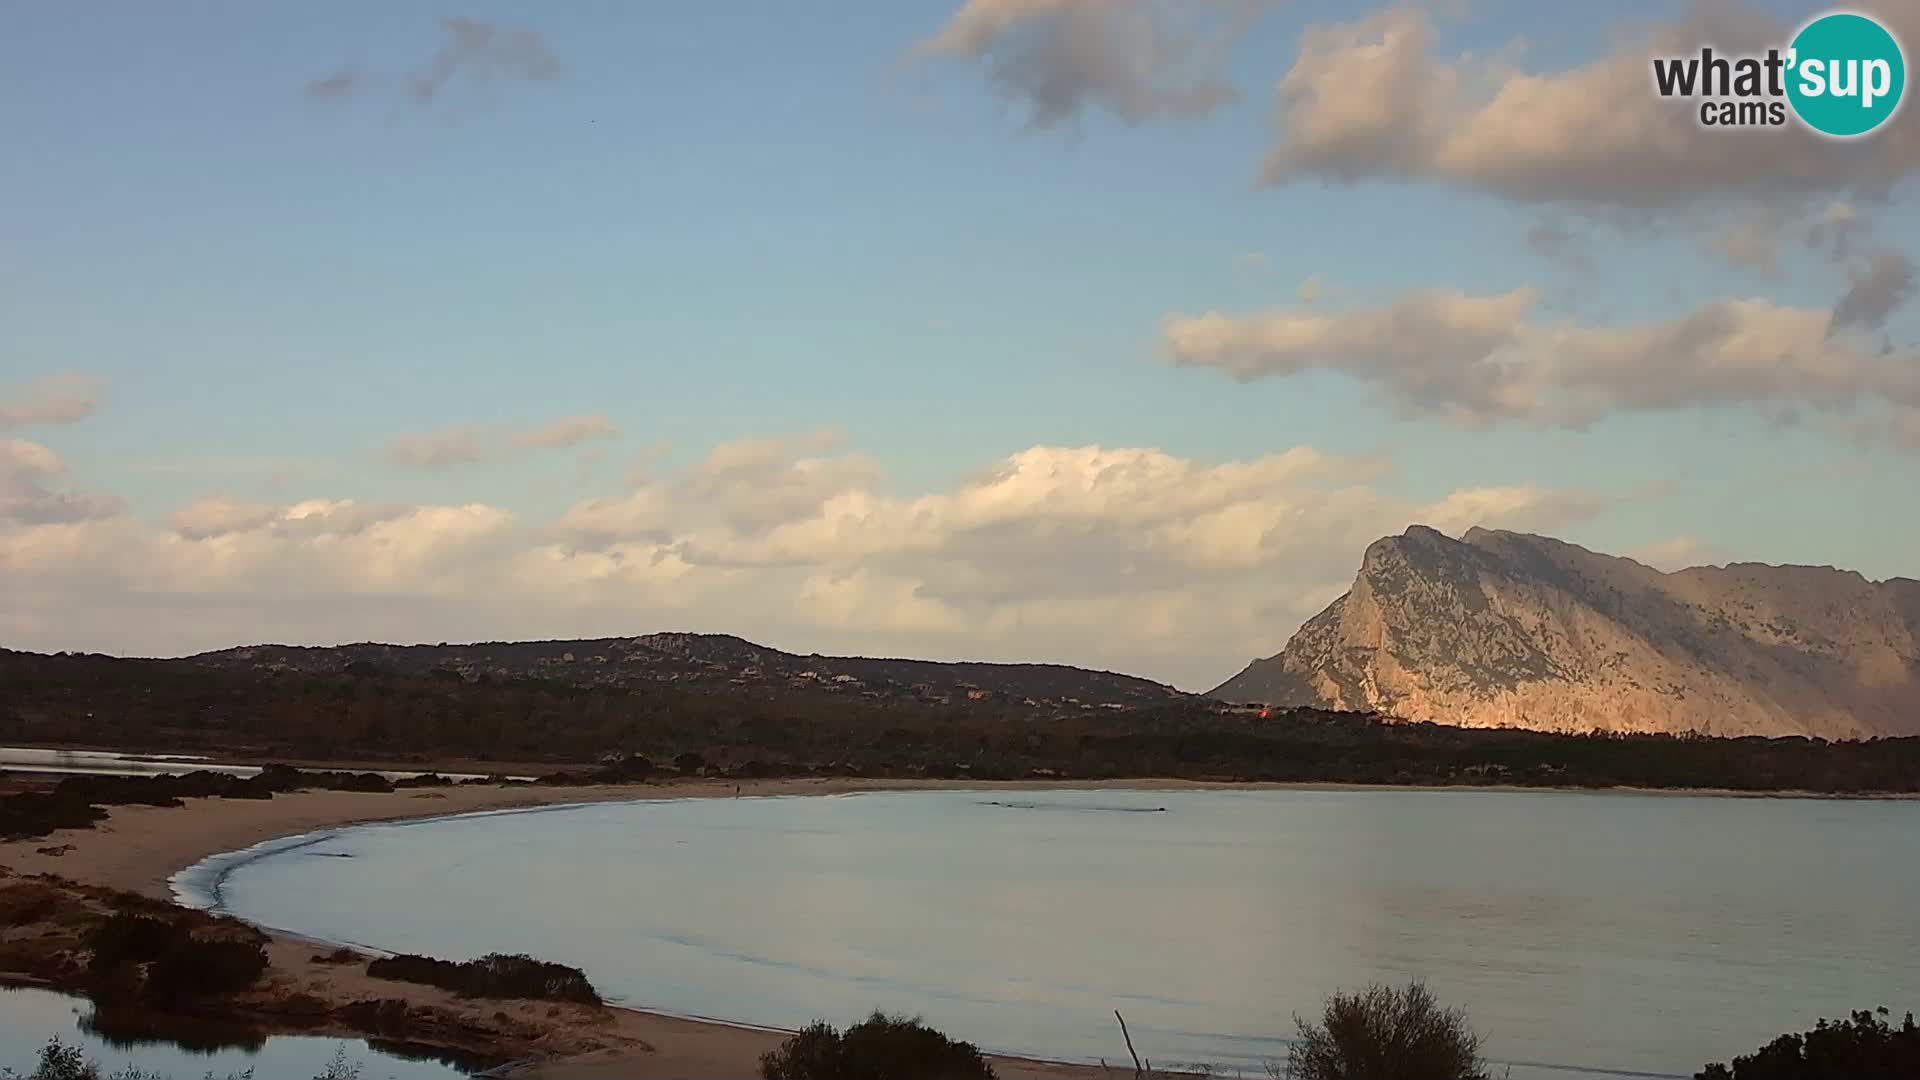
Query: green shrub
{"x": 1384, "y": 1033}
{"x": 1864, "y": 1047}
{"x": 880, "y": 1048}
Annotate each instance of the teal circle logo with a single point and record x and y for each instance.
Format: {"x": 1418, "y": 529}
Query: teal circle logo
{"x": 1847, "y": 75}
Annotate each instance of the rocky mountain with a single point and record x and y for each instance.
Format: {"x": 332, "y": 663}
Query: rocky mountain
{"x": 1508, "y": 629}
{"x": 716, "y": 662}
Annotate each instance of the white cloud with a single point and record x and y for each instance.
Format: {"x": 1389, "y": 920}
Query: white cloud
{"x": 26, "y": 468}
{"x": 1373, "y": 98}
{"x": 219, "y": 515}
{"x": 1127, "y": 558}
{"x": 1479, "y": 360}
{"x": 54, "y": 399}
{"x": 1137, "y": 59}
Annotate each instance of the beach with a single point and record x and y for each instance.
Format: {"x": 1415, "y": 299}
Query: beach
{"x": 139, "y": 848}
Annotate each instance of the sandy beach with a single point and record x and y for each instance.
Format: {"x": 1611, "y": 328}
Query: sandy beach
{"x": 139, "y": 848}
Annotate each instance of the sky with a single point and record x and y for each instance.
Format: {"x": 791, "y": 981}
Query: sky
{"x": 1103, "y": 332}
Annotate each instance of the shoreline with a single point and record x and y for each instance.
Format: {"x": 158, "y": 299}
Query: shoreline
{"x": 144, "y": 849}
{"x": 149, "y": 850}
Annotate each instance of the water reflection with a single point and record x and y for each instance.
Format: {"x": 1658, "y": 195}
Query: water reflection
{"x": 186, "y": 1047}
{"x": 26, "y": 759}
{"x": 123, "y": 1028}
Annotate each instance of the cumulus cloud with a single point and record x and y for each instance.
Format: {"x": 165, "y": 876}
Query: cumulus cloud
{"x": 1479, "y": 360}
{"x": 1130, "y": 558}
{"x": 54, "y": 399}
{"x": 642, "y": 515}
{"x": 764, "y": 482}
{"x": 220, "y": 515}
{"x": 1375, "y": 98}
{"x": 26, "y": 470}
{"x": 474, "y": 51}
{"x": 1137, "y": 59}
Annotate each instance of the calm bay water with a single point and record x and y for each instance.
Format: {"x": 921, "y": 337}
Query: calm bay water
{"x": 1624, "y": 934}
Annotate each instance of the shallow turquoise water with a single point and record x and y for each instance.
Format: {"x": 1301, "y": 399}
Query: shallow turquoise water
{"x": 1626, "y": 934}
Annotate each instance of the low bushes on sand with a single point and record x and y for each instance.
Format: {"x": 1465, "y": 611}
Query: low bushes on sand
{"x": 126, "y": 938}
{"x": 180, "y": 963}
{"x": 76, "y": 802}
{"x": 195, "y": 967}
{"x": 31, "y": 814}
{"x": 1863, "y": 1046}
{"x": 26, "y": 902}
{"x": 496, "y": 975}
{"x": 880, "y": 1048}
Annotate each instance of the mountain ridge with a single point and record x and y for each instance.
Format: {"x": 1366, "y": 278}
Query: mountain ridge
{"x": 1502, "y": 628}
{"x": 695, "y": 658}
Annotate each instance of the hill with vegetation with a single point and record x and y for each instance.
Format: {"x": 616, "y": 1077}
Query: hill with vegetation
{"x": 368, "y": 711}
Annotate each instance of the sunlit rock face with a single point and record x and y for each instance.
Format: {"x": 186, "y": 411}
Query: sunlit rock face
{"x": 1508, "y": 629}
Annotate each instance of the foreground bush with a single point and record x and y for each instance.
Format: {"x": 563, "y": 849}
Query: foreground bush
{"x": 881, "y": 1048}
{"x": 193, "y": 967}
{"x": 1384, "y": 1033}
{"x": 180, "y": 965}
{"x": 1865, "y": 1047}
{"x": 496, "y": 975}
{"x": 126, "y": 938}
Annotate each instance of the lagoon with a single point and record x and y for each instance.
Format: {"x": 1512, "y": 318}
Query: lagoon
{"x": 183, "y": 1049}
{"x": 1623, "y": 935}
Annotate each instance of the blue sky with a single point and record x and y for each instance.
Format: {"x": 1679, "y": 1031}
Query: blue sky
{"x": 731, "y": 221}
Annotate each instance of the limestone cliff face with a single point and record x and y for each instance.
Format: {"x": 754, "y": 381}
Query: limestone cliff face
{"x": 1506, "y": 629}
